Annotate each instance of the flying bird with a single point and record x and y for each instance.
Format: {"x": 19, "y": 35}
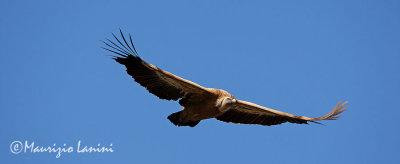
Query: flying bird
{"x": 200, "y": 103}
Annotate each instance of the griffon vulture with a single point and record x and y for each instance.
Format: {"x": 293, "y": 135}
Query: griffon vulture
{"x": 199, "y": 102}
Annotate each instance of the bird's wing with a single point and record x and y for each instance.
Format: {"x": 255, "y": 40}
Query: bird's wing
{"x": 161, "y": 83}
{"x": 244, "y": 112}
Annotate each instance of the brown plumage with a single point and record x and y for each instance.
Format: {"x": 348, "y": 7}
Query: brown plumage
{"x": 201, "y": 103}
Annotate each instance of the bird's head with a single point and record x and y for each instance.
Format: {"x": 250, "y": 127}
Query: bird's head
{"x": 226, "y": 103}
{"x": 229, "y": 101}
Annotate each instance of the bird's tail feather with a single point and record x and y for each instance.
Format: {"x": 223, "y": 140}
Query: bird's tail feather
{"x": 174, "y": 118}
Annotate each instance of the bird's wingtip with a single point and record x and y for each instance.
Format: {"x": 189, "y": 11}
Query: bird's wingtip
{"x": 121, "y": 48}
{"x": 333, "y": 115}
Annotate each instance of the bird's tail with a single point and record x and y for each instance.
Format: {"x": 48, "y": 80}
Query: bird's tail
{"x": 174, "y": 118}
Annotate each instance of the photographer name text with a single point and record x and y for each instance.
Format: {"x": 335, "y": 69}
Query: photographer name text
{"x": 17, "y": 147}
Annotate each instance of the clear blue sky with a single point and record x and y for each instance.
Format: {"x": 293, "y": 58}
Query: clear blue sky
{"x": 303, "y": 57}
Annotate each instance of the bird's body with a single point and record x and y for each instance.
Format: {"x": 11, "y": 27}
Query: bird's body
{"x": 200, "y": 107}
{"x": 199, "y": 102}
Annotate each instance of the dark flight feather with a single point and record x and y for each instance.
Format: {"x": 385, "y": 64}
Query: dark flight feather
{"x": 143, "y": 73}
